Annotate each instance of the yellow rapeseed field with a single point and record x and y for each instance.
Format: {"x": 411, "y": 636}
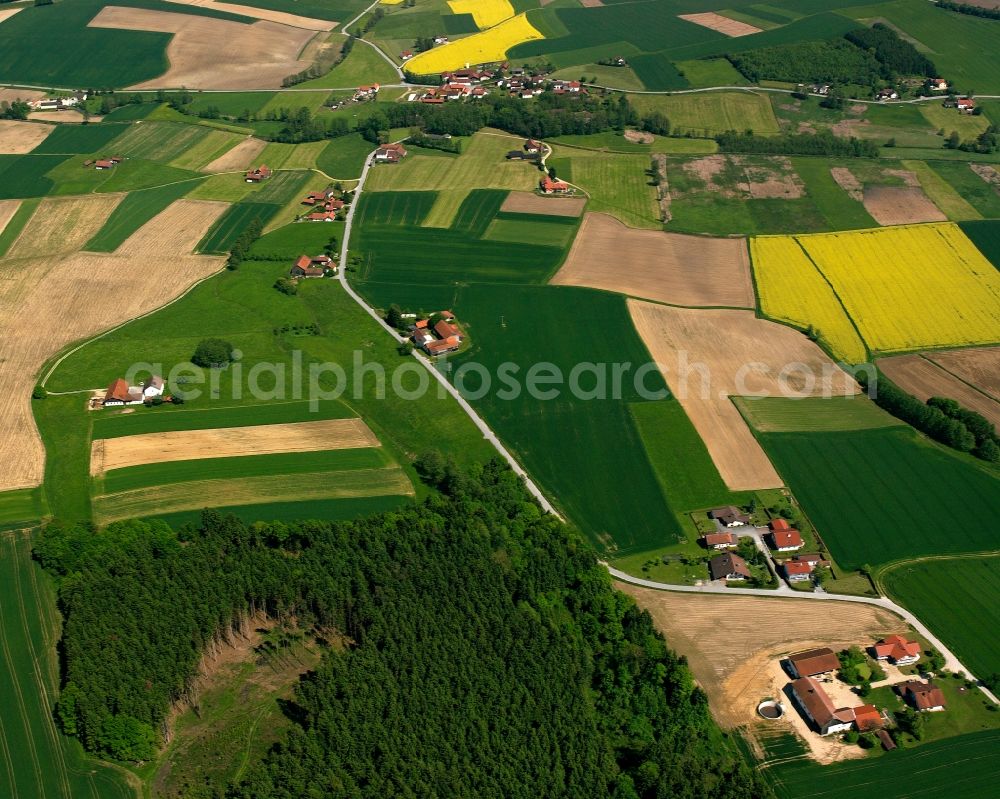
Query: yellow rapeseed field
{"x": 480, "y": 48}
{"x": 487, "y": 13}
{"x": 911, "y": 287}
{"x": 792, "y": 290}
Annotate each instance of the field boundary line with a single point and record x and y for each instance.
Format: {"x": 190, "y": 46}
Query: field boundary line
{"x": 958, "y": 377}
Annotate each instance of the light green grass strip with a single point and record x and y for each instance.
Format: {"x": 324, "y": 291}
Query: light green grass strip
{"x": 813, "y": 414}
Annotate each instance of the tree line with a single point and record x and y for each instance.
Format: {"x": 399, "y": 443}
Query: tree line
{"x": 966, "y": 8}
{"x": 942, "y": 419}
{"x": 487, "y": 652}
{"x": 822, "y": 143}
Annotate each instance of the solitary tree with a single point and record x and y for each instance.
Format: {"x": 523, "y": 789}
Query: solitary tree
{"x": 212, "y": 353}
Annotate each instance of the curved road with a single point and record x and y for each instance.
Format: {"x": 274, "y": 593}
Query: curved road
{"x": 951, "y": 661}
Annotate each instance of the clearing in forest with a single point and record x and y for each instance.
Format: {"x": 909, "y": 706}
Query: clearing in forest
{"x": 17, "y": 137}
{"x": 210, "y": 53}
{"x": 228, "y": 442}
{"x": 924, "y": 379}
{"x": 666, "y": 267}
{"x": 102, "y": 290}
{"x": 710, "y": 355}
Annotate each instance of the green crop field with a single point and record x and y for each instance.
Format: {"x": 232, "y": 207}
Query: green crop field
{"x": 986, "y": 236}
{"x": 135, "y": 211}
{"x": 713, "y": 112}
{"x": 35, "y": 759}
{"x": 616, "y": 184}
{"x": 837, "y": 208}
{"x": 26, "y": 175}
{"x": 223, "y": 234}
{"x": 112, "y": 424}
{"x": 657, "y": 73}
{"x": 20, "y": 508}
{"x": 974, "y": 189}
{"x": 159, "y": 141}
{"x": 623, "y": 78}
{"x": 813, "y": 414}
{"x": 687, "y": 475}
{"x": 478, "y": 210}
{"x": 884, "y": 494}
{"x": 957, "y": 598}
{"x": 212, "y": 146}
{"x": 535, "y": 231}
{"x": 344, "y": 158}
{"x": 138, "y": 174}
{"x": 81, "y": 139}
{"x": 963, "y": 767}
{"x": 17, "y": 223}
{"x": 231, "y": 104}
{"x": 609, "y": 492}
{"x": 711, "y": 72}
{"x": 291, "y": 241}
{"x": 394, "y": 208}
{"x": 130, "y": 112}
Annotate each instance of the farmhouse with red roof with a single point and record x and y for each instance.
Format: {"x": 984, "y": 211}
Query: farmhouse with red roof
{"x": 796, "y": 572}
{"x": 719, "y": 540}
{"x": 813, "y": 662}
{"x": 897, "y": 650}
{"x": 263, "y": 172}
{"x": 819, "y": 709}
{"x": 390, "y": 153}
{"x": 728, "y": 567}
{"x": 924, "y": 696}
{"x": 784, "y": 538}
{"x": 550, "y": 186}
{"x": 121, "y": 393}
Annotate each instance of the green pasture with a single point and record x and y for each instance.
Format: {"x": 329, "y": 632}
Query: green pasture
{"x": 986, "y": 236}
{"x": 24, "y": 176}
{"x": 538, "y": 231}
{"x": 615, "y": 184}
{"x": 884, "y": 494}
{"x": 813, "y": 414}
{"x": 130, "y": 112}
{"x": 960, "y": 768}
{"x": 957, "y": 598}
{"x": 582, "y": 452}
{"x": 135, "y": 211}
{"x": 17, "y": 223}
{"x": 223, "y": 234}
{"x": 974, "y": 189}
{"x": 20, "y": 508}
{"x": 290, "y": 241}
{"x": 113, "y": 423}
{"x": 837, "y": 208}
{"x": 35, "y": 759}
{"x": 227, "y": 187}
{"x": 81, "y": 139}
{"x": 154, "y": 474}
{"x": 363, "y": 65}
{"x": 942, "y": 193}
{"x": 967, "y": 126}
{"x": 709, "y": 113}
{"x": 623, "y": 78}
{"x": 230, "y": 104}
{"x": 212, "y": 146}
{"x": 159, "y": 141}
{"x": 394, "y": 208}
{"x": 292, "y": 101}
{"x": 707, "y": 72}
{"x": 344, "y": 158}
{"x": 478, "y": 210}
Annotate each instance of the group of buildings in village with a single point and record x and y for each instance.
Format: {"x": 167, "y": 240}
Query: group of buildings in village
{"x": 324, "y": 205}
{"x": 68, "y": 103}
{"x": 471, "y": 84}
{"x": 437, "y": 339}
{"x": 780, "y": 537}
{"x": 814, "y": 667}
{"x": 121, "y": 393}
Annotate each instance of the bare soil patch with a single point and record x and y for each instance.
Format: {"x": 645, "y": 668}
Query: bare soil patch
{"x": 639, "y": 136}
{"x": 17, "y": 137}
{"x": 10, "y": 95}
{"x": 228, "y": 442}
{"x": 63, "y": 224}
{"x": 69, "y": 116}
{"x": 979, "y": 366}
{"x": 238, "y": 158}
{"x": 907, "y": 177}
{"x": 524, "y": 202}
{"x": 591, "y": 3}
{"x": 720, "y": 24}
{"x": 294, "y": 20}
{"x": 740, "y": 177}
{"x": 848, "y": 182}
{"x": 709, "y": 355}
{"x": 850, "y": 127}
{"x": 987, "y": 172}
{"x": 7, "y": 210}
{"x": 857, "y": 109}
{"x": 667, "y": 267}
{"x": 736, "y": 658}
{"x": 662, "y": 187}
{"x": 894, "y": 205}
{"x": 924, "y": 379}
{"x": 47, "y": 303}
{"x": 7, "y": 13}
{"x": 207, "y": 53}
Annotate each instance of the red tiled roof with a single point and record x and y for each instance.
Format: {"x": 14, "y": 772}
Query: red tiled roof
{"x": 924, "y": 695}
{"x": 814, "y": 661}
{"x": 896, "y": 647}
{"x": 421, "y": 324}
{"x": 779, "y": 524}
{"x": 791, "y": 567}
{"x": 446, "y": 329}
{"x": 786, "y": 538}
{"x": 303, "y": 261}
{"x": 713, "y": 539}
{"x": 867, "y": 717}
{"x": 118, "y": 390}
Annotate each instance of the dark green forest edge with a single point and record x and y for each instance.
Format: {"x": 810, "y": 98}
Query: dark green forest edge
{"x": 487, "y": 653}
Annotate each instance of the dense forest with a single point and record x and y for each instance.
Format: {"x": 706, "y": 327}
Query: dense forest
{"x": 488, "y": 653}
{"x": 866, "y": 56}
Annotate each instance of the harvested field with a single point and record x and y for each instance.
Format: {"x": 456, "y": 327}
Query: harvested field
{"x": 7, "y": 210}
{"x": 924, "y": 379}
{"x": 208, "y": 53}
{"x": 294, "y": 20}
{"x": 17, "y": 137}
{"x": 720, "y": 24}
{"x": 892, "y": 205}
{"x": 184, "y": 223}
{"x": 707, "y": 356}
{"x": 727, "y": 645}
{"x": 667, "y": 267}
{"x": 68, "y": 115}
{"x": 229, "y": 442}
{"x": 523, "y": 202}
{"x": 237, "y": 159}
{"x": 980, "y": 367}
{"x": 10, "y": 95}
{"x": 846, "y": 180}
{"x": 102, "y": 291}
{"x": 989, "y": 173}
{"x": 63, "y": 224}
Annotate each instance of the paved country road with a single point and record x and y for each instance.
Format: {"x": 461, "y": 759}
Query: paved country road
{"x": 951, "y": 661}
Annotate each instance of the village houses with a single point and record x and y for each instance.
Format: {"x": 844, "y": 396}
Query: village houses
{"x": 719, "y": 540}
{"x": 897, "y": 650}
{"x": 728, "y": 566}
{"x": 729, "y": 516}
